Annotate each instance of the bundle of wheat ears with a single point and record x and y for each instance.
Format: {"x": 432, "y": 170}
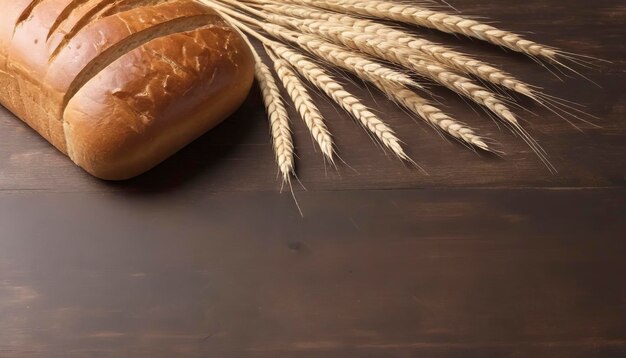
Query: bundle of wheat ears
{"x": 305, "y": 39}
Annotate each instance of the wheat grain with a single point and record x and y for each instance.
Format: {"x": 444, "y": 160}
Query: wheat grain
{"x": 421, "y": 16}
{"x": 304, "y": 104}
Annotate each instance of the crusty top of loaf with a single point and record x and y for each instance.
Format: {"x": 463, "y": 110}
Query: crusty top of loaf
{"x": 52, "y": 42}
{"x": 147, "y": 91}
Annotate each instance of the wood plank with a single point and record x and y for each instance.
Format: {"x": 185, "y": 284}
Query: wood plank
{"x": 237, "y": 155}
{"x": 428, "y": 273}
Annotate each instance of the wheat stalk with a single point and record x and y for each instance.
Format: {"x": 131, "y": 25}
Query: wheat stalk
{"x": 304, "y": 104}
{"x": 421, "y": 16}
{"x": 437, "y": 52}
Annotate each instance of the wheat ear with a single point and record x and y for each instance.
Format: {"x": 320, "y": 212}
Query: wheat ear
{"x": 421, "y": 16}
{"x": 383, "y": 49}
{"x": 278, "y": 118}
{"x": 304, "y": 104}
{"x": 346, "y": 59}
{"x": 434, "y": 51}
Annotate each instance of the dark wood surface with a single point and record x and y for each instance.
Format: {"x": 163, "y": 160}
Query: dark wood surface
{"x": 203, "y": 257}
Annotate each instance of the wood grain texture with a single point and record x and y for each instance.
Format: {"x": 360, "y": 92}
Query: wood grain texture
{"x": 202, "y": 257}
{"x": 365, "y": 274}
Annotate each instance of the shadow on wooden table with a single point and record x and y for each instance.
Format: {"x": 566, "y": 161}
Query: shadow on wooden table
{"x": 198, "y": 157}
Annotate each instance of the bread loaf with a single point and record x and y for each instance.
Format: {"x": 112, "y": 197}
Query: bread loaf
{"x": 120, "y": 85}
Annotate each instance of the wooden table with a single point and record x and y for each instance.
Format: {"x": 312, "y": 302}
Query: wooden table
{"x": 202, "y": 257}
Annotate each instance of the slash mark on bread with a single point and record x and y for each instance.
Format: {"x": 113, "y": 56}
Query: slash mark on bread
{"x": 101, "y": 10}
{"x": 65, "y": 14}
{"x": 26, "y": 13}
{"x": 134, "y": 41}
